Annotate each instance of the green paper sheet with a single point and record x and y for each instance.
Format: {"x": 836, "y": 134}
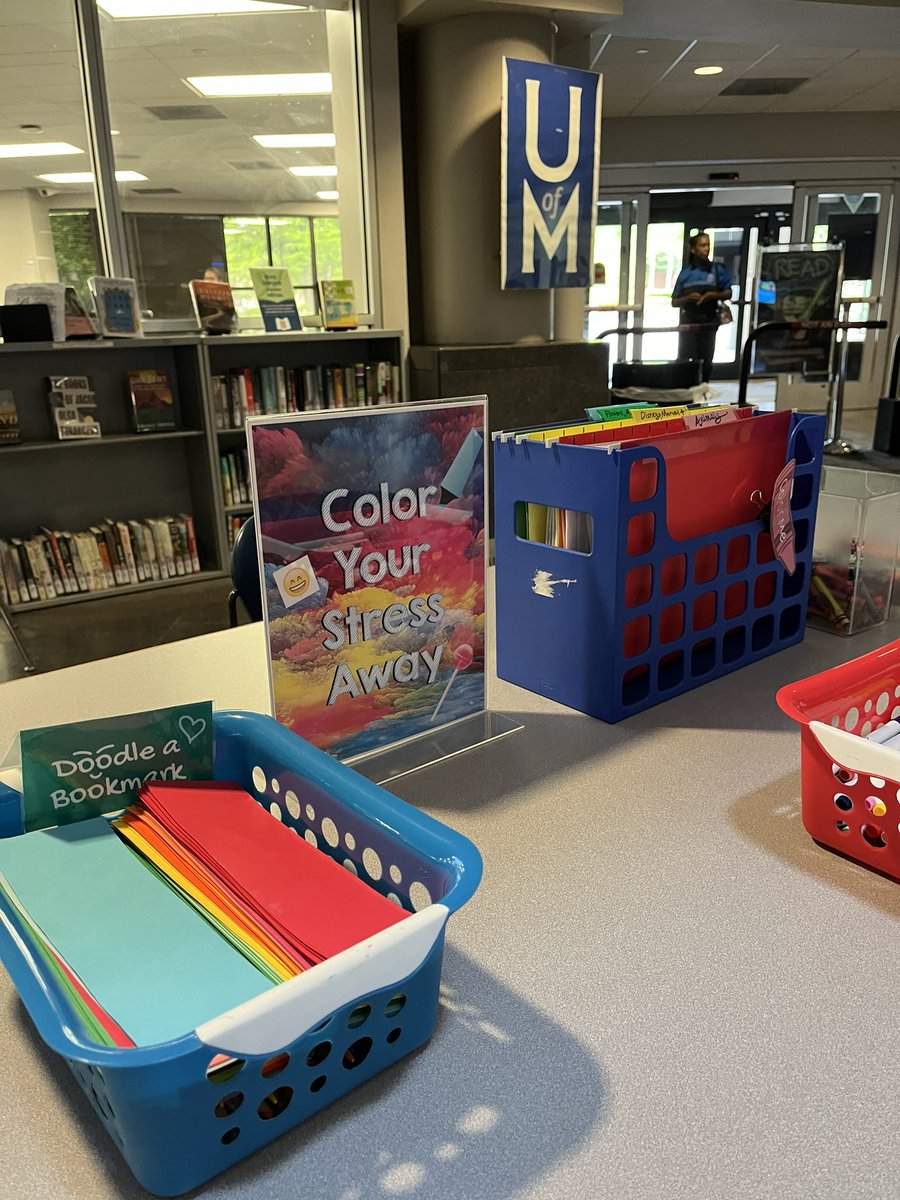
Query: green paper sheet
{"x": 147, "y": 958}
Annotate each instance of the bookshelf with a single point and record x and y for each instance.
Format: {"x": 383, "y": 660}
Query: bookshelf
{"x": 125, "y": 475}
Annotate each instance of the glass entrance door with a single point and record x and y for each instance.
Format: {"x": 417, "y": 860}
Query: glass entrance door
{"x": 861, "y": 219}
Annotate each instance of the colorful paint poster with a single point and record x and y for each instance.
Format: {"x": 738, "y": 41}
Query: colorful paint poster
{"x": 370, "y": 527}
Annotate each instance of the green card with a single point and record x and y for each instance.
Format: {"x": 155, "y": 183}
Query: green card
{"x": 71, "y": 772}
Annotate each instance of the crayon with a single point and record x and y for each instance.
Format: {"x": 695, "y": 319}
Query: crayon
{"x": 836, "y": 615}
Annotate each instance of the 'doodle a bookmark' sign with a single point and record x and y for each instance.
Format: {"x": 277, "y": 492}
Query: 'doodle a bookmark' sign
{"x": 70, "y": 772}
{"x": 371, "y": 527}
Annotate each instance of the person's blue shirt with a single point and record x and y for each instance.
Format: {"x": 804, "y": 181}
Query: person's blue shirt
{"x": 713, "y": 277}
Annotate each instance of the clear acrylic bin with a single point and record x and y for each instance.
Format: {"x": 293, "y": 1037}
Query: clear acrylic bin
{"x": 855, "y": 550}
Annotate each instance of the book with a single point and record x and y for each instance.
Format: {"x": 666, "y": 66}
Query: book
{"x": 9, "y": 417}
{"x": 213, "y": 306}
{"x": 275, "y": 296}
{"x": 51, "y": 294}
{"x": 71, "y": 399}
{"x": 152, "y": 400}
{"x": 338, "y": 304}
{"x": 77, "y": 320}
{"x": 116, "y": 302}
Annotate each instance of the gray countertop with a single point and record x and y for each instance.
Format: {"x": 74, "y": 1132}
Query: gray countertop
{"x": 662, "y": 990}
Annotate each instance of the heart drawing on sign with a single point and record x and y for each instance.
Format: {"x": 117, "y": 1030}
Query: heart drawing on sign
{"x": 192, "y": 728}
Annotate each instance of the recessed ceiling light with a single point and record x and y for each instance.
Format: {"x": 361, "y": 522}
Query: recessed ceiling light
{"x": 642, "y": 51}
{"x": 332, "y": 170}
{"x": 88, "y": 177}
{"x": 286, "y": 141}
{"x": 37, "y": 149}
{"x": 125, "y": 9}
{"x": 328, "y": 195}
{"x": 114, "y": 132}
{"x": 708, "y": 70}
{"x": 312, "y": 83}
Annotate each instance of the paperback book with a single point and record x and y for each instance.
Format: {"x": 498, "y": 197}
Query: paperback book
{"x": 9, "y": 417}
{"x": 152, "y": 400}
{"x": 213, "y": 305}
{"x": 72, "y": 405}
{"x": 338, "y": 304}
{"x": 117, "y": 307}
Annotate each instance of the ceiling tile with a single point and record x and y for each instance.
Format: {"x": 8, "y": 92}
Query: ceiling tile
{"x": 624, "y": 50}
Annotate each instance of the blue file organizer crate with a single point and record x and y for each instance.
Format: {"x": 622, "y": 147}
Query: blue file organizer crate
{"x": 183, "y": 1111}
{"x": 645, "y": 616}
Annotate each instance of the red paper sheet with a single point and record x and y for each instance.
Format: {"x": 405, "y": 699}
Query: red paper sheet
{"x": 314, "y": 903}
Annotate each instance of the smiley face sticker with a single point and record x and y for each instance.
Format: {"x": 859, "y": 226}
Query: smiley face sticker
{"x": 296, "y": 581}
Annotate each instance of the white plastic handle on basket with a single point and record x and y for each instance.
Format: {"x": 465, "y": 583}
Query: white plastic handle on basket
{"x": 857, "y": 753}
{"x": 278, "y": 1017}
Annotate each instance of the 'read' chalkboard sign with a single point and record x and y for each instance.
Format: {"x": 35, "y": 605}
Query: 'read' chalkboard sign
{"x": 797, "y": 283}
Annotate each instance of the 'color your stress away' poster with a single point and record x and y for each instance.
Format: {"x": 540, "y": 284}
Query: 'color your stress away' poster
{"x": 371, "y": 529}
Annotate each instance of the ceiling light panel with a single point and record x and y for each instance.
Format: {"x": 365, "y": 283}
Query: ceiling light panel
{"x": 312, "y": 171}
{"x": 311, "y": 83}
{"x": 88, "y": 177}
{"x": 290, "y": 141}
{"x": 38, "y": 150}
{"x": 122, "y": 10}
{"x": 328, "y": 195}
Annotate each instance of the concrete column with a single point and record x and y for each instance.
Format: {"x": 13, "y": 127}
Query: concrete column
{"x": 459, "y": 69}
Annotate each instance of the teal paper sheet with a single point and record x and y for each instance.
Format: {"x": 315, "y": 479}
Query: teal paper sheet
{"x": 148, "y": 958}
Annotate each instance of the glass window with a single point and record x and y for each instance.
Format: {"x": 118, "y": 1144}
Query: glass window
{"x": 45, "y": 162}
{"x": 236, "y": 115}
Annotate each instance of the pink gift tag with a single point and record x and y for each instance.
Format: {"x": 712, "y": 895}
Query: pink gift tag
{"x": 781, "y": 524}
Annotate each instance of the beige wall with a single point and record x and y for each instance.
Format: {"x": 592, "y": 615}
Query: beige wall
{"x": 26, "y": 248}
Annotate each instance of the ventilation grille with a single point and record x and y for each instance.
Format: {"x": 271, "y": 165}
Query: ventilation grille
{"x": 156, "y": 191}
{"x": 186, "y": 112}
{"x": 762, "y": 87}
{"x": 255, "y": 166}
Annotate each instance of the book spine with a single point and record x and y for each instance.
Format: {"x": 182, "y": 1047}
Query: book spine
{"x": 25, "y": 568}
{"x": 243, "y": 476}
{"x": 38, "y": 565}
{"x": 371, "y": 384}
{"x": 53, "y": 580}
{"x": 116, "y": 552}
{"x": 359, "y": 383}
{"x": 137, "y": 550}
{"x": 105, "y": 557}
{"x": 57, "y": 558}
{"x": 131, "y": 565}
{"x": 281, "y": 390}
{"x": 179, "y": 546}
{"x": 65, "y": 551}
{"x": 192, "y": 541}
{"x": 146, "y": 535}
{"x": 234, "y": 391}
{"x": 226, "y": 481}
{"x": 72, "y": 558}
{"x": 169, "y": 549}
{"x": 248, "y": 393}
{"x": 231, "y": 466}
{"x": 395, "y": 381}
{"x": 14, "y": 582}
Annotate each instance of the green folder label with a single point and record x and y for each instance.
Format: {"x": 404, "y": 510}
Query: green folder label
{"x": 72, "y": 772}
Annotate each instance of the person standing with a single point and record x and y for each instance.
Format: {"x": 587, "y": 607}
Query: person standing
{"x": 699, "y": 289}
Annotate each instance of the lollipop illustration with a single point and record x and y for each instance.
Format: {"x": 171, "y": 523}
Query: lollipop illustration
{"x": 462, "y": 658}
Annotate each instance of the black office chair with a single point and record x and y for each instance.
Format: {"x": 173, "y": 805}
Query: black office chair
{"x": 245, "y": 570}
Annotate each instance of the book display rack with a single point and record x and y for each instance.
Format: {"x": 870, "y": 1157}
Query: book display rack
{"x": 129, "y": 475}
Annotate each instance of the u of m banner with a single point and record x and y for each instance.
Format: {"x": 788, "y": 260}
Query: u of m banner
{"x": 550, "y": 159}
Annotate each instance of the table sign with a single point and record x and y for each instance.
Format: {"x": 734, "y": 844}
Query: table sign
{"x": 86, "y": 768}
{"x": 371, "y": 530}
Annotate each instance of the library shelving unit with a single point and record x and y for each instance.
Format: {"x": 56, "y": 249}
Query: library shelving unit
{"x": 126, "y": 475}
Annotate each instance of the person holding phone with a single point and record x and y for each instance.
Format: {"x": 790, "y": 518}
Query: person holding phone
{"x": 699, "y": 289}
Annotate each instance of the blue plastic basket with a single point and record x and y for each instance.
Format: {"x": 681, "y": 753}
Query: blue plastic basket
{"x": 644, "y": 616}
{"x": 183, "y": 1111}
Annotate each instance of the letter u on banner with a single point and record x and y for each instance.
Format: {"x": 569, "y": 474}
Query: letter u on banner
{"x": 550, "y": 159}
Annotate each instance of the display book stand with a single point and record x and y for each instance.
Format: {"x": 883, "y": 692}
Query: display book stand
{"x": 129, "y": 475}
{"x": 681, "y": 584}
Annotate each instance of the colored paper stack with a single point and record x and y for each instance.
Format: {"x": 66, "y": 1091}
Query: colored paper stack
{"x": 203, "y": 902}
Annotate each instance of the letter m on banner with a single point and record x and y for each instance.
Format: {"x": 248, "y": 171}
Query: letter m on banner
{"x": 550, "y": 158}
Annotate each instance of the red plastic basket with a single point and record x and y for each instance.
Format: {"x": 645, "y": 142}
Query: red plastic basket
{"x": 850, "y": 786}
